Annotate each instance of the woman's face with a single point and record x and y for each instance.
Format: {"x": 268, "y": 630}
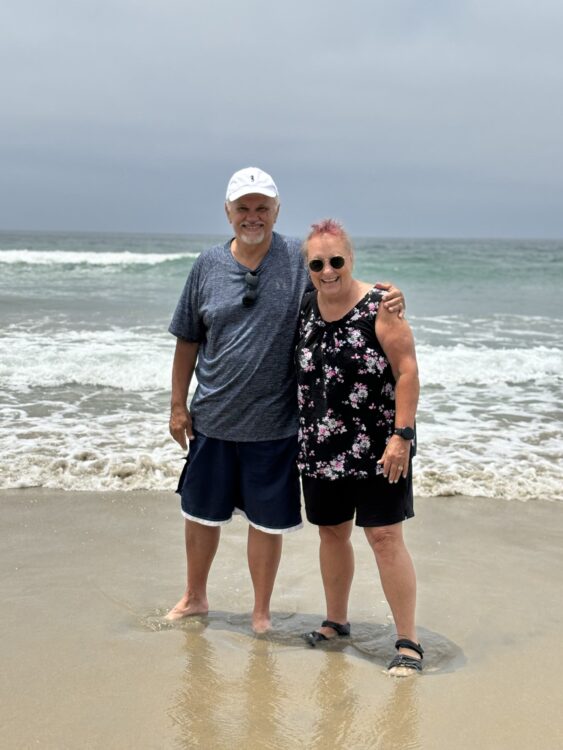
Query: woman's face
{"x": 329, "y": 281}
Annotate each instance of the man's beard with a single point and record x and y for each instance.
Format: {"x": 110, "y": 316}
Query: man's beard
{"x": 253, "y": 239}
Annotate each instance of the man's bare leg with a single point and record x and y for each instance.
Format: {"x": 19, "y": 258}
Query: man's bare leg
{"x": 201, "y": 545}
{"x": 264, "y": 553}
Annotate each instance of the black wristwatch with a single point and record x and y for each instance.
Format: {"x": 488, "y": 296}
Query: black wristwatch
{"x": 407, "y": 433}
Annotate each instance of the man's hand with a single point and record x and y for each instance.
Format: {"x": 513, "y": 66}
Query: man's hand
{"x": 394, "y": 300}
{"x": 180, "y": 426}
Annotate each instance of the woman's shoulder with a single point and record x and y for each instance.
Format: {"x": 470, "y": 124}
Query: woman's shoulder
{"x": 308, "y": 301}
{"x": 371, "y": 295}
{"x": 371, "y": 290}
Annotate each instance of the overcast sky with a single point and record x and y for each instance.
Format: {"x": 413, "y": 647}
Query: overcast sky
{"x": 400, "y": 117}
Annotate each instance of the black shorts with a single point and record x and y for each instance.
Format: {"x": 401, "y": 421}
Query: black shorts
{"x": 374, "y": 502}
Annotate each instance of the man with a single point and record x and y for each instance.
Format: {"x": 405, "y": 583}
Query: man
{"x": 235, "y": 325}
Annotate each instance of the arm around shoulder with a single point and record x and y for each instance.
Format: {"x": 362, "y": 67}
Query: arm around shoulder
{"x": 393, "y": 299}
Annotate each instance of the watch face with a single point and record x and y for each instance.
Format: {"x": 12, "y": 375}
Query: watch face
{"x": 406, "y": 432}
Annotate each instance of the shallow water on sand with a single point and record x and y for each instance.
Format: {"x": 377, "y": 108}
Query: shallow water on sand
{"x": 273, "y": 693}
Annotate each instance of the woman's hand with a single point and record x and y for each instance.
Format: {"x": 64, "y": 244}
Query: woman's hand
{"x": 394, "y": 299}
{"x": 395, "y": 459}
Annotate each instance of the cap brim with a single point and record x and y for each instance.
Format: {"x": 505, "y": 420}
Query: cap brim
{"x": 270, "y": 193}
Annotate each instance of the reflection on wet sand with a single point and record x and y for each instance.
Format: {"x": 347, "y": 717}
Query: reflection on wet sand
{"x": 337, "y": 703}
{"x": 232, "y": 693}
{"x": 240, "y": 691}
{"x": 264, "y": 698}
{"x": 353, "y": 718}
{"x": 396, "y": 723}
{"x": 196, "y": 710}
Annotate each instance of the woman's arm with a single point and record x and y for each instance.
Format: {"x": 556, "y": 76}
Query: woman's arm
{"x": 395, "y": 336}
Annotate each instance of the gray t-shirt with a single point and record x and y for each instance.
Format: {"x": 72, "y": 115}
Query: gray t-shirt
{"x": 246, "y": 380}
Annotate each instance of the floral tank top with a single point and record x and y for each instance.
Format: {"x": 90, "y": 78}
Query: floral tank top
{"x": 346, "y": 392}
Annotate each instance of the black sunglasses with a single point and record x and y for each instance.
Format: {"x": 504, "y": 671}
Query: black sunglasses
{"x": 337, "y": 261}
{"x": 251, "y": 293}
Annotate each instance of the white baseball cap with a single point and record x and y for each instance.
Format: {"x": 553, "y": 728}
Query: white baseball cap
{"x": 251, "y": 180}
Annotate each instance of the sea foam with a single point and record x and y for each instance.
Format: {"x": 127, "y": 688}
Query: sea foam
{"x": 124, "y": 359}
{"x": 70, "y": 258}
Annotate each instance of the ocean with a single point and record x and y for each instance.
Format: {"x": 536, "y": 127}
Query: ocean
{"x": 85, "y": 359}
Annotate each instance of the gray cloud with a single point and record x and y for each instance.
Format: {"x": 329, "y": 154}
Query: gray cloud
{"x": 401, "y": 118}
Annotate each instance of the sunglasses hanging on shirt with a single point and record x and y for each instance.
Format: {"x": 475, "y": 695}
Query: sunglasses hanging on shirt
{"x": 251, "y": 293}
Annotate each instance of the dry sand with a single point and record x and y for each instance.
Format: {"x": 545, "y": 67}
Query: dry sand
{"x": 88, "y": 662}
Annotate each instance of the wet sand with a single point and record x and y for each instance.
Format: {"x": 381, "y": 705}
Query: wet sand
{"x": 87, "y": 660}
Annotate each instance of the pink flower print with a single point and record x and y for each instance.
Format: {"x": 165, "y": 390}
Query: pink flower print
{"x": 360, "y": 445}
{"x": 337, "y": 464}
{"x": 374, "y": 361}
{"x": 359, "y": 394}
{"x": 305, "y": 360}
{"x": 333, "y": 373}
{"x": 355, "y": 338}
{"x": 322, "y": 433}
{"x": 388, "y": 390}
{"x": 370, "y": 361}
{"x": 329, "y": 426}
{"x": 302, "y": 394}
{"x": 381, "y": 364}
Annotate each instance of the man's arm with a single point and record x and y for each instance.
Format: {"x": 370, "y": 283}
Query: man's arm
{"x": 183, "y": 367}
{"x": 394, "y": 299}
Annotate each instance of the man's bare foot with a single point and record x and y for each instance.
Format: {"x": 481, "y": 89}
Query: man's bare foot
{"x": 261, "y": 624}
{"x": 187, "y": 608}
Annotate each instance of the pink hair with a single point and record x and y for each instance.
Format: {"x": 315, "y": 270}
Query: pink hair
{"x": 331, "y": 227}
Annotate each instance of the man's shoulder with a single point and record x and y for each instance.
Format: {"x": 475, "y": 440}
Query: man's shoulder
{"x": 208, "y": 258}
{"x": 213, "y": 253}
{"x": 293, "y": 244}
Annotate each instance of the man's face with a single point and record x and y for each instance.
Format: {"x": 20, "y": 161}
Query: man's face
{"x": 252, "y": 217}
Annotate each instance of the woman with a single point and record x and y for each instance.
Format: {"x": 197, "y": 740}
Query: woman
{"x": 358, "y": 393}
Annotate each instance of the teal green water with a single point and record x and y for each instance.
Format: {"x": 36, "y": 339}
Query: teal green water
{"x": 85, "y": 358}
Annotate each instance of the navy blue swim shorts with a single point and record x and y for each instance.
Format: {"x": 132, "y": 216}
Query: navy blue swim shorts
{"x": 258, "y": 480}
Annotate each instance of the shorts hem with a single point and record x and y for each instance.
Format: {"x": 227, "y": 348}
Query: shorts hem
{"x": 286, "y": 530}
{"x": 364, "y": 525}
{"x": 206, "y": 521}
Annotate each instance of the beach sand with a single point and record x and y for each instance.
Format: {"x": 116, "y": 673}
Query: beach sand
{"x": 87, "y": 660}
